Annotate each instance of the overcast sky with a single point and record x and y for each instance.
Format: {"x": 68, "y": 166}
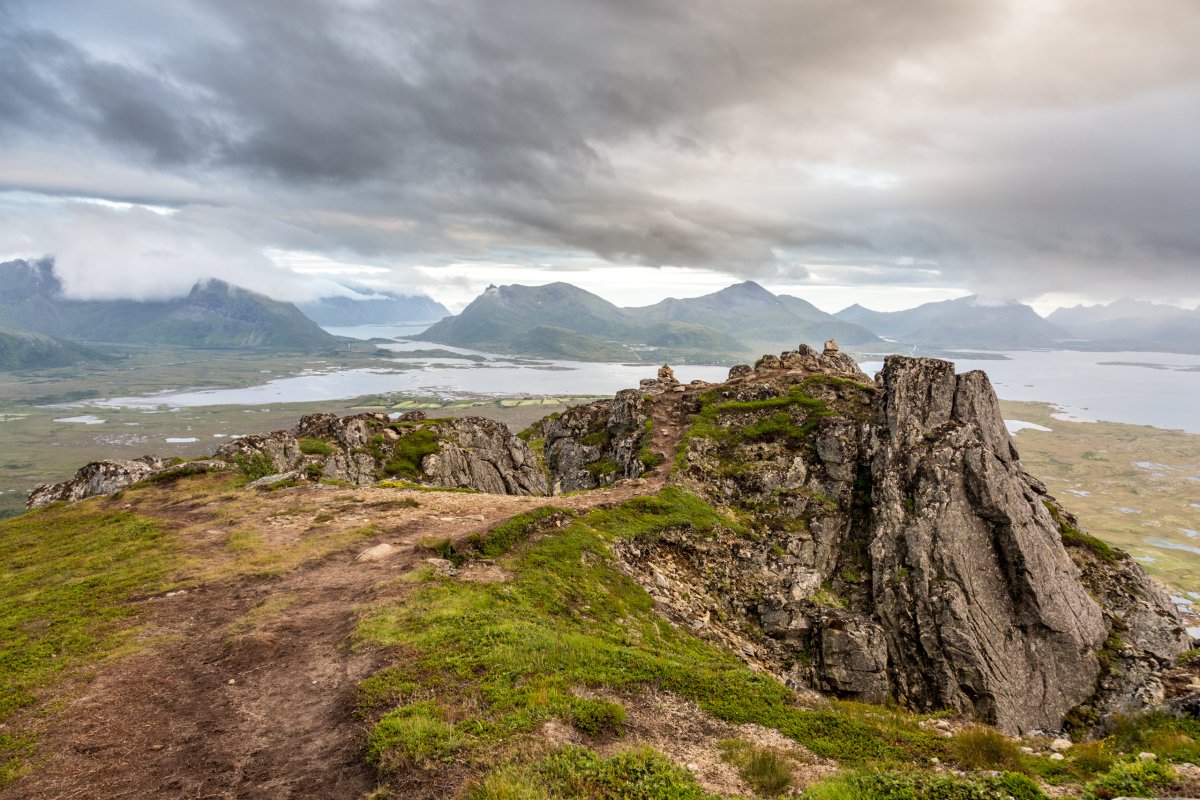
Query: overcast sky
{"x": 880, "y": 151}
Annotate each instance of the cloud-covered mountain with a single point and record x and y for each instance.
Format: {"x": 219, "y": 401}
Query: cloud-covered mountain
{"x": 372, "y": 307}
{"x": 214, "y": 314}
{"x": 1132, "y": 325}
{"x": 965, "y": 322}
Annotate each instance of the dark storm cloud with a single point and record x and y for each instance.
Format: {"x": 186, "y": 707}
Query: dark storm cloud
{"x": 1024, "y": 146}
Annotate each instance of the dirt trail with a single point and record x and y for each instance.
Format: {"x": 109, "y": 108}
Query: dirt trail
{"x": 250, "y": 692}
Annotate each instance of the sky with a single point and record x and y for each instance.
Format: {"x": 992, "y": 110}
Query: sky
{"x": 880, "y": 152}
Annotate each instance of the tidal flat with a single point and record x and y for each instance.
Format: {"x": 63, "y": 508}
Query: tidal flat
{"x": 1134, "y": 486}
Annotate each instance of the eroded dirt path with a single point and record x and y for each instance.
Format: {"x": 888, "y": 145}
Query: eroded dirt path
{"x": 245, "y": 685}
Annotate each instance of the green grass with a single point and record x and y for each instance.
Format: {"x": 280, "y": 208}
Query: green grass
{"x": 315, "y": 447}
{"x": 502, "y": 538}
{"x": 1130, "y": 779}
{"x": 258, "y": 465}
{"x": 598, "y": 439}
{"x": 602, "y": 468}
{"x": 794, "y": 417}
{"x": 65, "y": 576}
{"x": 407, "y": 454}
{"x": 597, "y": 717}
{"x": 648, "y": 457}
{"x": 503, "y": 658}
{"x": 578, "y": 773}
{"x": 1175, "y": 739}
{"x": 979, "y": 747}
{"x": 1073, "y": 537}
{"x": 899, "y": 785}
{"x": 412, "y": 735}
{"x": 764, "y": 770}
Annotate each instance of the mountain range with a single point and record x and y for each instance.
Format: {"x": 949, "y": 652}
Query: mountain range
{"x": 964, "y": 322}
{"x": 1131, "y": 325}
{"x": 214, "y": 314}
{"x": 561, "y": 320}
{"x": 970, "y": 322}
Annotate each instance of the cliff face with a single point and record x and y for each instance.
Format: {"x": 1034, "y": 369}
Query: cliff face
{"x": 593, "y": 445}
{"x": 981, "y": 605}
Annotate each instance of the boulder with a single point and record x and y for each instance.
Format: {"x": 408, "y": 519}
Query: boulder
{"x": 96, "y": 478}
{"x": 280, "y": 450}
{"x": 740, "y": 371}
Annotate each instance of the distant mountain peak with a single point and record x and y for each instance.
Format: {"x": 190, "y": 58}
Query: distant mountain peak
{"x": 747, "y": 289}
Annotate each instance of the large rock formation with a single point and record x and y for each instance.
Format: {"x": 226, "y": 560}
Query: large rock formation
{"x": 895, "y": 547}
{"x": 98, "y": 477}
{"x": 465, "y": 452}
{"x": 979, "y": 600}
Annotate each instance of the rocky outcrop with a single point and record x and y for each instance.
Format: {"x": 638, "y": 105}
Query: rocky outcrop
{"x": 108, "y": 477}
{"x": 979, "y": 600}
{"x": 595, "y": 444}
{"x": 279, "y": 450}
{"x": 895, "y": 547}
{"x": 98, "y": 477}
{"x": 482, "y": 454}
{"x": 363, "y": 449}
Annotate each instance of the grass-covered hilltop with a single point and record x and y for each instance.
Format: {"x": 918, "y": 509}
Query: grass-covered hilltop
{"x": 797, "y": 582}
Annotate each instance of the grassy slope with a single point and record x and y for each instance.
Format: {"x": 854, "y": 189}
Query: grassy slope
{"x": 66, "y": 576}
{"x": 20, "y": 350}
{"x": 485, "y": 665}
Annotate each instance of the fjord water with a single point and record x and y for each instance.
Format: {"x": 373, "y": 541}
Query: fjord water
{"x": 1158, "y": 389}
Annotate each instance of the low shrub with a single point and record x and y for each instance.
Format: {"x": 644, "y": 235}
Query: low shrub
{"x": 1130, "y": 779}
{"x": 979, "y": 747}
{"x": 1170, "y": 738}
{"x": 925, "y": 786}
{"x": 258, "y": 465}
{"x": 597, "y": 717}
{"x": 413, "y": 735}
{"x": 763, "y": 769}
{"x": 505, "y": 536}
{"x": 315, "y": 447}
